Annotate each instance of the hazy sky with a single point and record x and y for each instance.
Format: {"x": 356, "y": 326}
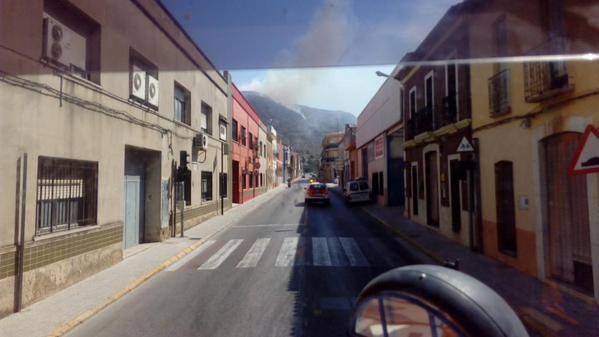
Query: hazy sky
{"x": 320, "y": 53}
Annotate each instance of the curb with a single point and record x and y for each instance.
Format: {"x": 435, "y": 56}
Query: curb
{"x": 438, "y": 259}
{"x": 70, "y": 325}
{"x": 65, "y": 328}
{"x": 533, "y": 324}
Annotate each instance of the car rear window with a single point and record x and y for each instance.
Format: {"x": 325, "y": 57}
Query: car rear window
{"x": 353, "y": 186}
{"x": 318, "y": 187}
{"x": 363, "y": 185}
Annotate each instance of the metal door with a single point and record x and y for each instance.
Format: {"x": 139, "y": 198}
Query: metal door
{"x": 567, "y": 214}
{"x": 134, "y": 210}
{"x": 395, "y": 180}
{"x": 432, "y": 192}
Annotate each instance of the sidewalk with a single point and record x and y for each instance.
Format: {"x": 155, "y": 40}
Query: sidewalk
{"x": 60, "y": 312}
{"x": 545, "y": 310}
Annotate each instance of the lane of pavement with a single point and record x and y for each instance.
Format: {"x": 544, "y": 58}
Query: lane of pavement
{"x": 284, "y": 270}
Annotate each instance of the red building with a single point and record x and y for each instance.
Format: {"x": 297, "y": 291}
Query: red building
{"x": 245, "y": 129}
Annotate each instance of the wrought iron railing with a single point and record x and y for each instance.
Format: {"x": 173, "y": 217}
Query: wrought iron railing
{"x": 499, "y": 93}
{"x": 543, "y": 79}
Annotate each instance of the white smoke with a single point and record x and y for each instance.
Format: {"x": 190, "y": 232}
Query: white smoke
{"x": 326, "y": 41}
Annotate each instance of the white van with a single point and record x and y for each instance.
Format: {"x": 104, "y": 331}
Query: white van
{"x": 357, "y": 191}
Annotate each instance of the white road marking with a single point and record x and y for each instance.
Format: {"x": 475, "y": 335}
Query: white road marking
{"x": 338, "y": 258}
{"x": 190, "y": 256}
{"x": 353, "y": 252}
{"x": 286, "y": 255}
{"x": 320, "y": 252}
{"x": 253, "y": 255}
{"x": 267, "y": 225}
{"x": 222, "y": 254}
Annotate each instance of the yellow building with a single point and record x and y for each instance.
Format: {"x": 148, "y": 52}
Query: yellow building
{"x": 528, "y": 117}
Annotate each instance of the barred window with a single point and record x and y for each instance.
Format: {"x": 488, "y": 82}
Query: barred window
{"x": 67, "y": 194}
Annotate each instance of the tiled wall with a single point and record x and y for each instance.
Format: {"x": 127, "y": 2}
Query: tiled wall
{"x": 38, "y": 254}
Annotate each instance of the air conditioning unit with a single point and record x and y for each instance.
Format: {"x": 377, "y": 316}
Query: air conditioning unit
{"x": 200, "y": 141}
{"x": 138, "y": 83}
{"x": 64, "y": 46}
{"x": 153, "y": 90}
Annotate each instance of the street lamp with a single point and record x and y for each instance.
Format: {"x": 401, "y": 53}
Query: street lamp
{"x": 381, "y": 74}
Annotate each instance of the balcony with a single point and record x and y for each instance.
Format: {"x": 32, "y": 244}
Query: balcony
{"x": 448, "y": 114}
{"x": 421, "y": 122}
{"x": 499, "y": 94}
{"x": 543, "y": 80}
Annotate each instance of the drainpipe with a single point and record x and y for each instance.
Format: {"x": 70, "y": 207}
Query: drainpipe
{"x": 21, "y": 241}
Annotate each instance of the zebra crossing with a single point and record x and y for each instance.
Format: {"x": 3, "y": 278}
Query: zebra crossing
{"x": 292, "y": 251}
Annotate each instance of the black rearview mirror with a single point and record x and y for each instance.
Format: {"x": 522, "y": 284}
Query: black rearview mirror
{"x": 431, "y": 301}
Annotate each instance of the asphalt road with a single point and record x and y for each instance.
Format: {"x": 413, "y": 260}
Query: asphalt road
{"x": 285, "y": 270}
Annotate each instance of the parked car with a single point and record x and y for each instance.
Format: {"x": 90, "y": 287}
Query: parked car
{"x": 317, "y": 192}
{"x": 357, "y": 191}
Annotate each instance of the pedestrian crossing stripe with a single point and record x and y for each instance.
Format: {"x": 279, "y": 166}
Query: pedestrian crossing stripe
{"x": 326, "y": 252}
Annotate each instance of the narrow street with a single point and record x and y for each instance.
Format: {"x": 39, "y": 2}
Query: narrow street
{"x": 285, "y": 270}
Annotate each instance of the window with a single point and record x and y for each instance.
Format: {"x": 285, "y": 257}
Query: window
{"x": 143, "y": 80}
{"x": 223, "y": 185}
{"x": 182, "y": 105}
{"x": 206, "y": 186}
{"x": 67, "y": 194}
{"x": 65, "y": 24}
{"x": 251, "y": 137}
{"x": 222, "y": 130}
{"x": 429, "y": 91}
{"x": 505, "y": 209}
{"x": 243, "y": 141}
{"x": 412, "y": 103}
{"x": 260, "y": 149}
{"x": 234, "y": 131}
{"x": 206, "y": 118}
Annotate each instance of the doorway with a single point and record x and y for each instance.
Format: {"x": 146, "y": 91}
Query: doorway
{"x": 567, "y": 215}
{"x": 456, "y": 208}
{"x": 134, "y": 198}
{"x": 414, "y": 179}
{"x": 432, "y": 189}
{"x": 235, "y": 177}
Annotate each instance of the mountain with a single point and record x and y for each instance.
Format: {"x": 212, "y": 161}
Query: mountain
{"x": 303, "y": 127}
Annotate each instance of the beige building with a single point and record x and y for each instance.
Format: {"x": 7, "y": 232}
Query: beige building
{"x": 99, "y": 101}
{"x": 331, "y": 161}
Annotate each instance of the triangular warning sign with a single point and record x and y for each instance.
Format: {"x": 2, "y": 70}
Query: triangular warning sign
{"x": 586, "y": 159}
{"x": 465, "y": 145}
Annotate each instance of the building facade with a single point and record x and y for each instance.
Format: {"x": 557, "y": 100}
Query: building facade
{"x": 331, "y": 160}
{"x": 528, "y": 119}
{"x": 246, "y": 152}
{"x": 347, "y": 148}
{"x": 96, "y": 136}
{"x": 379, "y": 139}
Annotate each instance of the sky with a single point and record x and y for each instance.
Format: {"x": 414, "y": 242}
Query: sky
{"x": 320, "y": 53}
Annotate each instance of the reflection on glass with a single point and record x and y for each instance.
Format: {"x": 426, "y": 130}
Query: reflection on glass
{"x": 403, "y": 317}
{"x": 368, "y": 319}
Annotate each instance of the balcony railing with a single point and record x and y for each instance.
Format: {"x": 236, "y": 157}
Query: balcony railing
{"x": 448, "y": 114}
{"x": 499, "y": 94}
{"x": 545, "y": 79}
{"x": 421, "y": 122}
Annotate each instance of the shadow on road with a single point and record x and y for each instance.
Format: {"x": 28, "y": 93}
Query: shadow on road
{"x": 323, "y": 296}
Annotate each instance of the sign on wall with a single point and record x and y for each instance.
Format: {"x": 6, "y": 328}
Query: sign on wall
{"x": 586, "y": 159}
{"x": 465, "y": 145}
{"x": 379, "y": 147}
